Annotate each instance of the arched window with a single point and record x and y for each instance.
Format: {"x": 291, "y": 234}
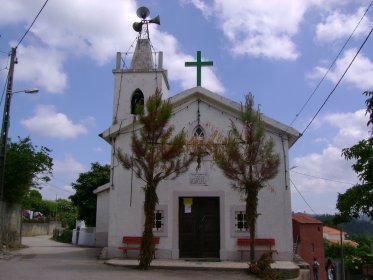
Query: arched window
{"x": 199, "y": 132}
{"x": 137, "y": 100}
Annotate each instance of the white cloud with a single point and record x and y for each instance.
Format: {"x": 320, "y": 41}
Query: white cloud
{"x": 175, "y": 64}
{"x": 47, "y": 121}
{"x": 42, "y": 67}
{"x": 338, "y": 25}
{"x": 69, "y": 167}
{"x": 359, "y": 74}
{"x": 329, "y": 163}
{"x": 95, "y": 30}
{"x": 352, "y": 127}
{"x": 259, "y": 28}
{"x": 71, "y": 28}
{"x": 65, "y": 171}
{"x": 66, "y": 30}
{"x": 18, "y": 11}
{"x": 200, "y": 5}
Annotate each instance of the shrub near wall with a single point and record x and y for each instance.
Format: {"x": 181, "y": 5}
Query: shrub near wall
{"x": 65, "y": 236}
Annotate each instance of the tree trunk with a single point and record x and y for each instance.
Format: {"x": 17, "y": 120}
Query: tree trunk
{"x": 147, "y": 245}
{"x": 251, "y": 215}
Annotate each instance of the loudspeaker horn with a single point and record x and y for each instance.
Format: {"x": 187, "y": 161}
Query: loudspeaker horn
{"x": 142, "y": 12}
{"x": 155, "y": 20}
{"x": 137, "y": 26}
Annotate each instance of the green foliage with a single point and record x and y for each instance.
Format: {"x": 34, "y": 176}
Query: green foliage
{"x": 354, "y": 257}
{"x": 156, "y": 155}
{"x": 61, "y": 209}
{"x": 248, "y": 160}
{"x": 65, "y": 237}
{"x": 32, "y": 200}
{"x": 66, "y": 213}
{"x": 26, "y": 166}
{"x": 358, "y": 200}
{"x": 84, "y": 199}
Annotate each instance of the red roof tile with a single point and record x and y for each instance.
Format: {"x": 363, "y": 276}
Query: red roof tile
{"x": 331, "y": 230}
{"x": 305, "y": 219}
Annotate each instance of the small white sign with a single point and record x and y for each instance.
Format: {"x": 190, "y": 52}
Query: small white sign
{"x": 198, "y": 179}
{"x": 188, "y": 208}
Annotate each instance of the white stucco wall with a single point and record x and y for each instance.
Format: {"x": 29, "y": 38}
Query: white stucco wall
{"x": 126, "y": 215}
{"x": 124, "y": 87}
{"x": 102, "y": 216}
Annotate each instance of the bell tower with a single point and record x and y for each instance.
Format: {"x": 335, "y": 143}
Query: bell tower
{"x": 134, "y": 85}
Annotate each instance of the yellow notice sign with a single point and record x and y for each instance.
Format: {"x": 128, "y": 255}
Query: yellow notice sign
{"x": 188, "y": 200}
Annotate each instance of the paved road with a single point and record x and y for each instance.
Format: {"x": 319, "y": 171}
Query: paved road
{"x": 45, "y": 259}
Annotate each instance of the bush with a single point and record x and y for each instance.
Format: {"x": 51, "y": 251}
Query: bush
{"x": 262, "y": 268}
{"x": 65, "y": 237}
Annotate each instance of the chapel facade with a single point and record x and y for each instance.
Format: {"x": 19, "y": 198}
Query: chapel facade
{"x": 198, "y": 214}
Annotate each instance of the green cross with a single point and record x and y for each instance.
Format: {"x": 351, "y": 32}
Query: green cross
{"x": 199, "y": 63}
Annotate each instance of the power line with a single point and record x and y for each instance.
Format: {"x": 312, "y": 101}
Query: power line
{"x": 302, "y": 196}
{"x": 2, "y": 95}
{"x": 50, "y": 185}
{"x": 337, "y": 84}
{"x": 326, "y": 179}
{"x": 330, "y": 67}
{"x": 24, "y": 35}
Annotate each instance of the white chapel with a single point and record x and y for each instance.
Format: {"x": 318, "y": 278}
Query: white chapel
{"x": 198, "y": 214}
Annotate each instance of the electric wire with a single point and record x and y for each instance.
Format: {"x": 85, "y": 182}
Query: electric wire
{"x": 321, "y": 178}
{"x": 24, "y": 35}
{"x": 302, "y": 196}
{"x": 58, "y": 188}
{"x": 4, "y": 89}
{"x": 337, "y": 84}
{"x": 329, "y": 69}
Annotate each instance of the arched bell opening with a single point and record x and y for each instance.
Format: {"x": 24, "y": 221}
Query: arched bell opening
{"x": 136, "y": 101}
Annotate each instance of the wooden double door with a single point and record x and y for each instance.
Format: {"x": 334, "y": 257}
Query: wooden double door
{"x": 199, "y": 227}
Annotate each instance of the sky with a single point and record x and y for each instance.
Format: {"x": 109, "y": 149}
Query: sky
{"x": 279, "y": 50}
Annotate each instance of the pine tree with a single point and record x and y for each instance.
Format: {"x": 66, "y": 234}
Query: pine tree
{"x": 157, "y": 155}
{"x": 248, "y": 160}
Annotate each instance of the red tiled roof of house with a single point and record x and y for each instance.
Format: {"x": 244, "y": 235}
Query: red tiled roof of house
{"x": 305, "y": 219}
{"x": 349, "y": 242}
{"x": 331, "y": 230}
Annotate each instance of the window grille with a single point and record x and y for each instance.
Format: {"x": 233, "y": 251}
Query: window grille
{"x": 240, "y": 221}
{"x": 158, "y": 220}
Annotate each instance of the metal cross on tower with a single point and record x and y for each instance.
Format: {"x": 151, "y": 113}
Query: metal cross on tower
{"x": 199, "y": 63}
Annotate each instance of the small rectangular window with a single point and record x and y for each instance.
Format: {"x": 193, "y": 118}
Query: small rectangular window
{"x": 240, "y": 221}
{"x": 158, "y": 220}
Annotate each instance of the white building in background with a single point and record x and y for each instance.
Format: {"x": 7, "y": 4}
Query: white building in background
{"x": 198, "y": 215}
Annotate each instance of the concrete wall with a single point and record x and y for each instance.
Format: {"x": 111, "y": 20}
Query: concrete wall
{"x": 102, "y": 218}
{"x": 84, "y": 236}
{"x": 33, "y": 229}
{"x": 11, "y": 219}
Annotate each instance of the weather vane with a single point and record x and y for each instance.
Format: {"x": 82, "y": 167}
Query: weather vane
{"x": 142, "y": 26}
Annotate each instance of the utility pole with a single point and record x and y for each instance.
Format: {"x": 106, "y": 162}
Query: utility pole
{"x": 4, "y": 137}
{"x": 342, "y": 255}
